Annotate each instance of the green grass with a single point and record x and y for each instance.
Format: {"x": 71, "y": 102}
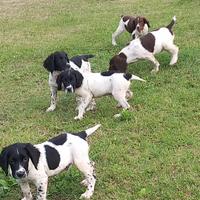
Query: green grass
{"x": 152, "y": 152}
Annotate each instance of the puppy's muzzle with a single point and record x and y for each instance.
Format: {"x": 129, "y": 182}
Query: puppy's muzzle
{"x": 69, "y": 89}
{"x": 20, "y": 174}
{"x": 139, "y": 29}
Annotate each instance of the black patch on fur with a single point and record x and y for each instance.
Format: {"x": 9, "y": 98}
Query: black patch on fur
{"x": 81, "y": 134}
{"x": 79, "y": 78}
{"x": 148, "y": 42}
{"x": 59, "y": 140}
{"x": 39, "y": 189}
{"x": 107, "y": 73}
{"x": 127, "y": 76}
{"x": 169, "y": 26}
{"x": 77, "y": 60}
{"x": 52, "y": 156}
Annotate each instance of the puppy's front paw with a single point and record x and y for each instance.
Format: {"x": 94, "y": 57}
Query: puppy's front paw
{"x": 86, "y": 195}
{"x": 84, "y": 182}
{"x": 114, "y": 43}
{"x": 154, "y": 71}
{"x": 27, "y": 198}
{"x": 78, "y": 117}
{"x": 117, "y": 115}
{"x": 172, "y": 62}
{"x": 50, "y": 109}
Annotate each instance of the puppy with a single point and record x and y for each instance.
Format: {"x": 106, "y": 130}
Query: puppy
{"x": 89, "y": 85}
{"x": 146, "y": 47}
{"x": 59, "y": 61}
{"x": 26, "y": 162}
{"x": 136, "y": 26}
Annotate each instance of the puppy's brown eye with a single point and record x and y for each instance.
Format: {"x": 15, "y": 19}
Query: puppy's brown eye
{"x": 12, "y": 161}
{"x": 25, "y": 159}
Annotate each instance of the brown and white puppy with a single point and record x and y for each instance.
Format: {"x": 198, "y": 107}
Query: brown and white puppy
{"x": 136, "y": 26}
{"x": 146, "y": 47}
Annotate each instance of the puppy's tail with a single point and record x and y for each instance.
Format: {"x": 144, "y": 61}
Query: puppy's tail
{"x": 131, "y": 77}
{"x": 88, "y": 132}
{"x": 171, "y": 24}
{"x": 87, "y": 56}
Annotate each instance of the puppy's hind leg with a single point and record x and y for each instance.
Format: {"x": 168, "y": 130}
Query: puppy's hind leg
{"x": 121, "y": 99}
{"x": 92, "y": 105}
{"x": 120, "y": 29}
{"x": 87, "y": 168}
{"x": 173, "y": 49}
{"x": 52, "y": 106}
{"x": 122, "y": 102}
{"x": 129, "y": 95}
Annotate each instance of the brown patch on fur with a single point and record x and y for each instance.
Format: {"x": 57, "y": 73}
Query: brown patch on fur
{"x": 118, "y": 63}
{"x": 134, "y": 21}
{"x": 148, "y": 42}
{"x": 130, "y": 27}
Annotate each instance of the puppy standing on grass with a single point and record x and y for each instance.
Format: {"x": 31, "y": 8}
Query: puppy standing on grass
{"x": 146, "y": 47}
{"x": 89, "y": 85}
{"x": 59, "y": 61}
{"x": 136, "y": 26}
{"x": 26, "y": 162}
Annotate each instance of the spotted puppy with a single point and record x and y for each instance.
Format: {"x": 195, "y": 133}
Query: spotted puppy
{"x": 136, "y": 26}
{"x": 26, "y": 162}
{"x": 89, "y": 85}
{"x": 59, "y": 61}
{"x": 146, "y": 47}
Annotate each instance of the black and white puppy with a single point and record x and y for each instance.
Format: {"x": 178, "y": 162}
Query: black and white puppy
{"x": 26, "y": 162}
{"x": 136, "y": 26}
{"x": 89, "y": 85}
{"x": 146, "y": 47}
{"x": 59, "y": 61}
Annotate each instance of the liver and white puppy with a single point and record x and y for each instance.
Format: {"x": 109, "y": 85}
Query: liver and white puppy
{"x": 146, "y": 47}
{"x": 89, "y": 85}
{"x": 59, "y": 61}
{"x": 136, "y": 26}
{"x": 26, "y": 162}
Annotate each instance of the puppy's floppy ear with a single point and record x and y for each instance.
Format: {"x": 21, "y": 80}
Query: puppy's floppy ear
{"x": 49, "y": 63}
{"x": 4, "y": 160}
{"x": 67, "y": 58}
{"x": 147, "y": 22}
{"x": 59, "y": 81}
{"x": 33, "y": 154}
{"x": 79, "y": 78}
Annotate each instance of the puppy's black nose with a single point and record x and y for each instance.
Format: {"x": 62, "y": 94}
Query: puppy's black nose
{"x": 69, "y": 90}
{"x": 20, "y": 174}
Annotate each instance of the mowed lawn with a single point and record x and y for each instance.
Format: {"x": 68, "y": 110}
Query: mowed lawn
{"x": 153, "y": 151}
